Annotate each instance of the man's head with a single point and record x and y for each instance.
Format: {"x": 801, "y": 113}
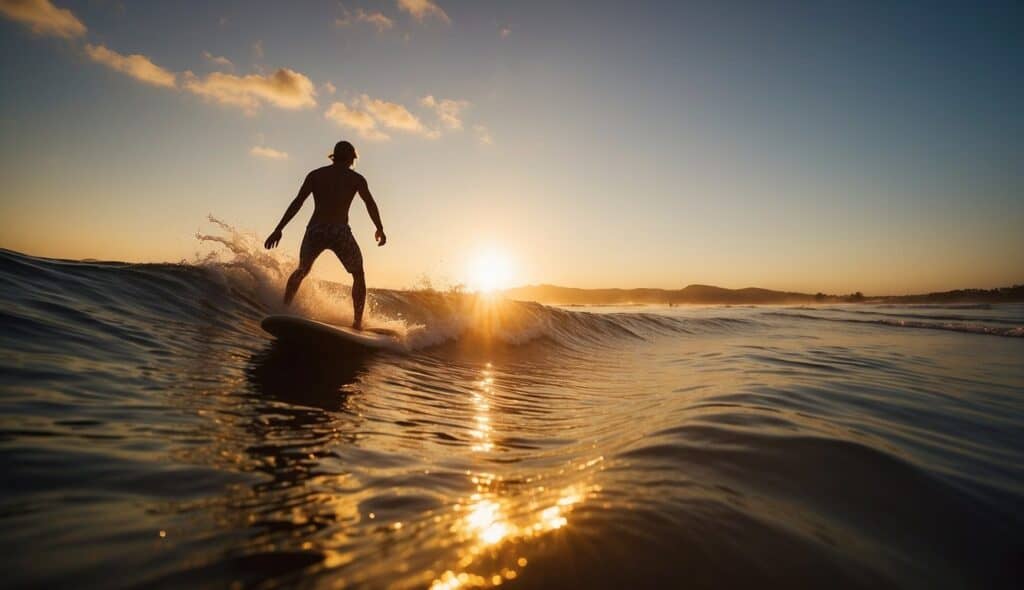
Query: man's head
{"x": 344, "y": 153}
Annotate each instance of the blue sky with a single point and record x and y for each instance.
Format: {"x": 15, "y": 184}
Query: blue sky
{"x": 801, "y": 145}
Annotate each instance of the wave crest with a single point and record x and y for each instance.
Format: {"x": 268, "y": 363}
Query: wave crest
{"x": 424, "y": 317}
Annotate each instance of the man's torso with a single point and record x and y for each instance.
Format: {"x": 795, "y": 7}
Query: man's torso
{"x": 333, "y": 189}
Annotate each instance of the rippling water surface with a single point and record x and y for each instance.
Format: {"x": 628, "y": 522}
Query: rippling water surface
{"x": 152, "y": 435}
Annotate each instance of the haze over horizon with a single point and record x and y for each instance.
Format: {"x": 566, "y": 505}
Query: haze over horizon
{"x": 832, "y": 147}
{"x": 548, "y": 293}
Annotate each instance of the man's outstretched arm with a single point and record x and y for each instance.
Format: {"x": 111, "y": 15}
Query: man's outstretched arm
{"x": 371, "y": 208}
{"x": 290, "y": 212}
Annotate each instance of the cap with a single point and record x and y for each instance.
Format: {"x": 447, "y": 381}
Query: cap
{"x": 343, "y": 149}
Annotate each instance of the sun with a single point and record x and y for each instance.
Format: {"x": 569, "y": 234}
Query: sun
{"x": 490, "y": 270}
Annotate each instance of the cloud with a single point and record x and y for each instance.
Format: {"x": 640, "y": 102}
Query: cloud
{"x": 43, "y": 18}
{"x": 360, "y": 121}
{"x": 448, "y": 111}
{"x": 329, "y": 88}
{"x": 483, "y": 134}
{"x": 421, "y": 9}
{"x": 268, "y": 153}
{"x": 371, "y": 116}
{"x": 137, "y": 66}
{"x": 285, "y": 88}
{"x": 218, "y": 59}
{"x": 257, "y": 50}
{"x": 505, "y": 32}
{"x": 392, "y": 115}
{"x": 377, "y": 19}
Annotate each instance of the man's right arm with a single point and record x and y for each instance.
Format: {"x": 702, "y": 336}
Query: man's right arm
{"x": 304, "y": 191}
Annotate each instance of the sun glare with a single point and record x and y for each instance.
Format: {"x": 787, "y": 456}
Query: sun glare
{"x": 489, "y": 271}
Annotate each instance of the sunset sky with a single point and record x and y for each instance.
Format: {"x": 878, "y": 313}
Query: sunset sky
{"x": 832, "y": 146}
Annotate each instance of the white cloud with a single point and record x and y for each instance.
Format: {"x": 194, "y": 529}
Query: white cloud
{"x": 137, "y": 66}
{"x": 377, "y": 19}
{"x": 43, "y": 18}
{"x": 448, "y": 111}
{"x": 483, "y": 135}
{"x": 285, "y": 88}
{"x": 268, "y": 153}
{"x": 392, "y": 115}
{"x": 421, "y": 9}
{"x": 360, "y": 121}
{"x": 329, "y": 88}
{"x": 218, "y": 60}
{"x": 370, "y": 117}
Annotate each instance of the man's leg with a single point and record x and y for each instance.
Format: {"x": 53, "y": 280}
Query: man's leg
{"x": 358, "y": 299}
{"x": 293, "y": 283}
{"x": 347, "y": 251}
{"x": 308, "y": 252}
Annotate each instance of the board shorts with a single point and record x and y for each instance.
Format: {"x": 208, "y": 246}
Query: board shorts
{"x": 336, "y": 237}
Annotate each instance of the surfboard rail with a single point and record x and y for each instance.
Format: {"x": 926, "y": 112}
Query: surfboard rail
{"x": 304, "y": 330}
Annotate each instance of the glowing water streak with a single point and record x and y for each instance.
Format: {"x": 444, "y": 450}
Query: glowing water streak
{"x": 485, "y": 523}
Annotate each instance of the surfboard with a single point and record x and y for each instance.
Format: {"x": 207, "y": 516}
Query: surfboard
{"x": 302, "y": 330}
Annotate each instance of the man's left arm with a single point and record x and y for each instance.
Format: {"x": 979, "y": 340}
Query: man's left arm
{"x": 371, "y": 208}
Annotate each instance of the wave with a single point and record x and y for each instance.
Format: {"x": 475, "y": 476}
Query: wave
{"x": 424, "y": 317}
{"x": 938, "y": 305}
{"x": 966, "y": 327}
{"x": 233, "y": 283}
{"x": 912, "y": 313}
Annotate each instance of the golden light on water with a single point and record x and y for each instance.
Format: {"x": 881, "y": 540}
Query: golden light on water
{"x": 482, "y": 417}
{"x": 487, "y": 519}
{"x": 486, "y": 522}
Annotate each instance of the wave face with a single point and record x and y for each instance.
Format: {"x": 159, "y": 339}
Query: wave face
{"x": 149, "y": 427}
{"x": 992, "y": 320}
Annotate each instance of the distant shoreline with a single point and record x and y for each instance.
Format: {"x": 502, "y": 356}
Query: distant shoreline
{"x": 706, "y": 294}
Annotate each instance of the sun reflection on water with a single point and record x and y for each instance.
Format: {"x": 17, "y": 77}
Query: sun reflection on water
{"x": 482, "y": 418}
{"x": 487, "y": 519}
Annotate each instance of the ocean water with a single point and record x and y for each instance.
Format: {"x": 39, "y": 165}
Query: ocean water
{"x": 151, "y": 435}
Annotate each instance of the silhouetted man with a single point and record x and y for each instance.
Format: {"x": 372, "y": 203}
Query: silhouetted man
{"x": 333, "y": 188}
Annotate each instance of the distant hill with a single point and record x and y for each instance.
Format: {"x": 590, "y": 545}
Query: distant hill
{"x": 690, "y": 294}
{"x": 707, "y": 294}
{"x": 1000, "y": 295}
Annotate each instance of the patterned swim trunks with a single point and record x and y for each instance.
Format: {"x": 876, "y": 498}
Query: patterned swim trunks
{"x": 335, "y": 237}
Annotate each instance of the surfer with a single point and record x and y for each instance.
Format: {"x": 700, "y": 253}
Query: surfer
{"x": 333, "y": 188}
